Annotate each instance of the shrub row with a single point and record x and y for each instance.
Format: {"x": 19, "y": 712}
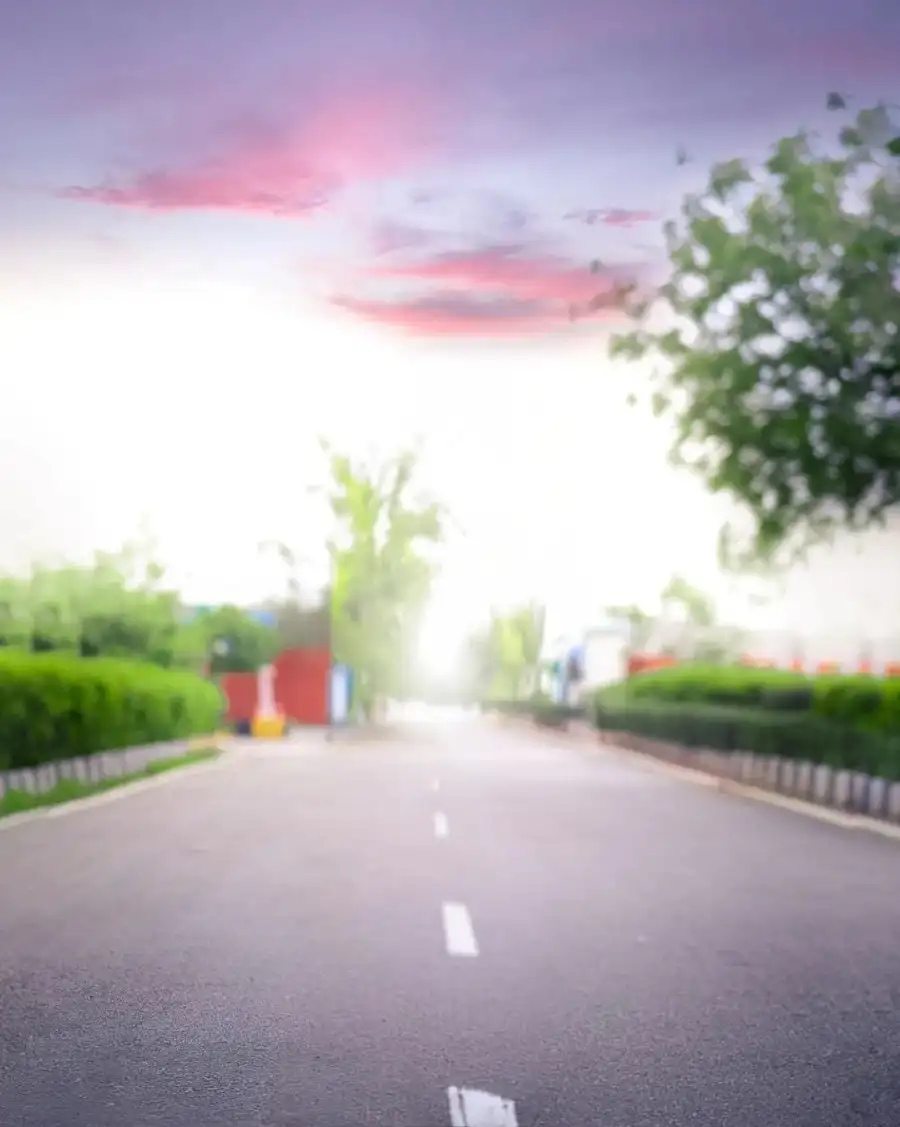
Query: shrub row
{"x": 55, "y": 706}
{"x": 790, "y": 735}
{"x": 850, "y": 722}
{"x": 859, "y": 701}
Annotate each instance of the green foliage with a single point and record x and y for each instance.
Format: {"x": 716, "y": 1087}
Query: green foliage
{"x": 114, "y": 607}
{"x": 778, "y": 332}
{"x": 504, "y": 657}
{"x": 791, "y": 735}
{"x": 735, "y": 685}
{"x": 684, "y": 602}
{"x": 237, "y": 642}
{"x": 696, "y": 607}
{"x": 55, "y": 706}
{"x": 863, "y": 702}
{"x": 381, "y": 572}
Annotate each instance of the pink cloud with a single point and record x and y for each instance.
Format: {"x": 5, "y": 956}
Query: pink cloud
{"x": 211, "y": 190}
{"x": 497, "y": 291}
{"x": 511, "y": 271}
{"x": 283, "y": 171}
{"x": 452, "y": 314}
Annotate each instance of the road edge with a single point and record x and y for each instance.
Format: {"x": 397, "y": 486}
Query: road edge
{"x": 114, "y": 794}
{"x": 697, "y": 776}
{"x": 758, "y": 794}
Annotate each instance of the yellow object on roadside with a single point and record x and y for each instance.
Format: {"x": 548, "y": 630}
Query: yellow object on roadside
{"x": 267, "y": 727}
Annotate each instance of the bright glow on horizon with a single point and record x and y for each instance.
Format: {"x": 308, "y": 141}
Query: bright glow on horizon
{"x": 202, "y": 275}
{"x": 199, "y": 411}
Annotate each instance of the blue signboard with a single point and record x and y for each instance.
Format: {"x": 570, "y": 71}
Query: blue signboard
{"x": 340, "y": 695}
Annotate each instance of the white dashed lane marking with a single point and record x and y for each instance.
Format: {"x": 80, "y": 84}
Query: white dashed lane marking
{"x": 458, "y": 931}
{"x": 471, "y": 1108}
{"x": 441, "y": 827}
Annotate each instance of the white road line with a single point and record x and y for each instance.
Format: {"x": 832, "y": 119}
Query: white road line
{"x": 435, "y": 785}
{"x": 471, "y": 1108}
{"x": 441, "y": 827}
{"x": 458, "y": 931}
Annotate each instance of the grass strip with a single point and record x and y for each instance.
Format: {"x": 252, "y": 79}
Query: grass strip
{"x": 69, "y": 790}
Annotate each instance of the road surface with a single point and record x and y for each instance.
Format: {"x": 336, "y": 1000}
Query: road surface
{"x": 313, "y": 935}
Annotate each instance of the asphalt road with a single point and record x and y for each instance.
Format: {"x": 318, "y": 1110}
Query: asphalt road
{"x": 305, "y": 935}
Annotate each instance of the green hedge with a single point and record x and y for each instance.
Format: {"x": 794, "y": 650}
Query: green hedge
{"x": 55, "y": 706}
{"x": 860, "y": 701}
{"x": 791, "y": 735}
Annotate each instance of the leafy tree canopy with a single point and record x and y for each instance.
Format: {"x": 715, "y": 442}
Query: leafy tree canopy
{"x": 116, "y": 606}
{"x": 777, "y": 335}
{"x": 382, "y": 568}
{"x": 119, "y": 606}
{"x": 234, "y": 640}
{"x": 504, "y": 656}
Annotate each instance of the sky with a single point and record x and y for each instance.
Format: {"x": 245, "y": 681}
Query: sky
{"x": 229, "y": 228}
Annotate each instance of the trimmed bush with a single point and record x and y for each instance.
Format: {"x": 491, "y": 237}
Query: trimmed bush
{"x": 857, "y": 700}
{"x": 843, "y": 721}
{"x": 731, "y": 685}
{"x": 55, "y": 706}
{"x": 870, "y": 703}
{"x": 790, "y": 735}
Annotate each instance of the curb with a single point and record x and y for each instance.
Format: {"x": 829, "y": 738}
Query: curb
{"x": 838, "y": 818}
{"x": 114, "y": 794}
{"x": 758, "y": 794}
{"x": 592, "y": 741}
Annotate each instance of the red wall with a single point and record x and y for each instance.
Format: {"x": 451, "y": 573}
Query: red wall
{"x": 240, "y": 692}
{"x": 301, "y": 688}
{"x": 302, "y": 684}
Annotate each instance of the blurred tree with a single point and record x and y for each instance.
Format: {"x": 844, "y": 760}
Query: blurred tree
{"x": 694, "y": 606}
{"x": 382, "y": 571}
{"x": 235, "y": 641}
{"x": 779, "y": 333}
{"x": 115, "y": 607}
{"x": 504, "y": 657}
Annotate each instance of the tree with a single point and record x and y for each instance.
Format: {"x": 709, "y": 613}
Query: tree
{"x": 234, "y": 641}
{"x": 779, "y": 333}
{"x": 696, "y": 607}
{"x": 116, "y": 606}
{"x": 123, "y": 610}
{"x": 699, "y": 636}
{"x": 504, "y": 656}
{"x": 381, "y": 569}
